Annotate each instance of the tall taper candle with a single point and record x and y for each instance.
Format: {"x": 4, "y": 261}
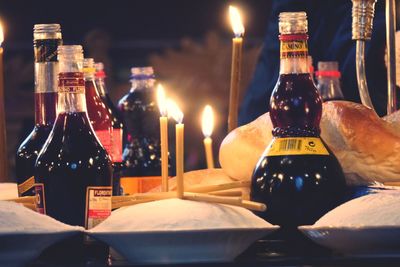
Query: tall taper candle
{"x": 179, "y": 159}
{"x": 237, "y": 43}
{"x": 163, "y": 136}
{"x": 3, "y": 141}
{"x": 176, "y": 113}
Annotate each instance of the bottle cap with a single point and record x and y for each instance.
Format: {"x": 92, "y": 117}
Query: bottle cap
{"x": 328, "y": 69}
{"x": 88, "y": 65}
{"x": 46, "y": 31}
{"x": 142, "y": 73}
{"x": 100, "y": 73}
{"x": 293, "y": 23}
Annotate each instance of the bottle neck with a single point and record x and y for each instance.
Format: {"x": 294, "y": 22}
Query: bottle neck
{"x": 46, "y": 71}
{"x": 71, "y": 92}
{"x": 294, "y": 54}
{"x": 101, "y": 86}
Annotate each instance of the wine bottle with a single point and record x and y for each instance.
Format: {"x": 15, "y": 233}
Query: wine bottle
{"x": 46, "y": 39}
{"x": 328, "y": 76}
{"x": 298, "y": 177}
{"x": 73, "y": 172}
{"x": 142, "y": 150}
{"x": 117, "y": 125}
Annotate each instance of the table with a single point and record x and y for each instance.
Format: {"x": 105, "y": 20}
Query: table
{"x": 295, "y": 250}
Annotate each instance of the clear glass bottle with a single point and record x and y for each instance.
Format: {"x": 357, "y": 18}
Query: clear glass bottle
{"x": 46, "y": 39}
{"x": 117, "y": 125}
{"x": 297, "y": 177}
{"x": 142, "y": 151}
{"x": 328, "y": 78}
{"x": 73, "y": 172}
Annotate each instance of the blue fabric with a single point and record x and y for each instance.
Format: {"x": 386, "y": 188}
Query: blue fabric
{"x": 329, "y": 24}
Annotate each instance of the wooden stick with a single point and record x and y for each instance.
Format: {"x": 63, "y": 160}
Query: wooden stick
{"x": 230, "y": 193}
{"x": 218, "y": 187}
{"x": 28, "y": 200}
{"x": 211, "y": 198}
{"x": 251, "y": 205}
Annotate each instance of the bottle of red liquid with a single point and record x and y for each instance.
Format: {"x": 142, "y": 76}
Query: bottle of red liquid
{"x": 99, "y": 114}
{"x": 46, "y": 39}
{"x": 298, "y": 177}
{"x": 142, "y": 151}
{"x": 328, "y": 77}
{"x": 117, "y": 125}
{"x": 73, "y": 172}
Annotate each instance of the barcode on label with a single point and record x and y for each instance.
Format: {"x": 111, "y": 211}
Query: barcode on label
{"x": 290, "y": 144}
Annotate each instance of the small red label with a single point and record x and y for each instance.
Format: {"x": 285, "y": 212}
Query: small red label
{"x": 40, "y": 198}
{"x": 105, "y": 139}
{"x": 117, "y": 145}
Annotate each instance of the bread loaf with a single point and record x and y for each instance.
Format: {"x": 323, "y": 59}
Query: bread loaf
{"x": 367, "y": 147}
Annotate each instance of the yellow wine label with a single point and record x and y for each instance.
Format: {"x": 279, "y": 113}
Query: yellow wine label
{"x": 25, "y": 186}
{"x": 296, "y": 146}
{"x": 294, "y": 48}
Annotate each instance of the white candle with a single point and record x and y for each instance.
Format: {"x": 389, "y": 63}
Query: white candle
{"x": 3, "y": 142}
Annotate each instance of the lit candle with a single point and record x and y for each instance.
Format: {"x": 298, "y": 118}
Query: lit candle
{"x": 3, "y": 143}
{"x": 207, "y": 126}
{"x": 162, "y": 105}
{"x": 176, "y": 113}
{"x": 237, "y": 41}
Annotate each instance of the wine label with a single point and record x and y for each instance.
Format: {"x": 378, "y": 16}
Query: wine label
{"x": 296, "y": 146}
{"x": 104, "y": 137}
{"x": 117, "y": 145}
{"x": 72, "y": 83}
{"x": 98, "y": 205}
{"x": 294, "y": 46}
{"x": 133, "y": 185}
{"x": 40, "y": 198}
{"x": 26, "y": 187}
{"x": 45, "y": 50}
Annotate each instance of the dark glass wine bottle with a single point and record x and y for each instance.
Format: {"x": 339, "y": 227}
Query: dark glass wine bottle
{"x": 73, "y": 172}
{"x": 298, "y": 177}
{"x": 117, "y": 125}
{"x": 46, "y": 39}
{"x": 142, "y": 151}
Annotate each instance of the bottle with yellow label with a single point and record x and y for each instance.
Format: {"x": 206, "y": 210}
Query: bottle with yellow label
{"x": 297, "y": 177}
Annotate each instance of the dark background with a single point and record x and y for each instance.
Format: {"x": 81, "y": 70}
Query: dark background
{"x": 137, "y": 30}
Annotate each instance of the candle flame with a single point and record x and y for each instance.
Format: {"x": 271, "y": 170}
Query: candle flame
{"x": 1, "y": 34}
{"x": 236, "y": 21}
{"x": 207, "y": 122}
{"x": 174, "y": 111}
{"x": 161, "y": 100}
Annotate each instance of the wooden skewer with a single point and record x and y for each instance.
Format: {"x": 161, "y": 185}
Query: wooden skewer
{"x": 211, "y": 198}
{"x": 231, "y": 193}
{"x": 251, "y": 205}
{"x": 218, "y": 187}
{"x": 30, "y": 200}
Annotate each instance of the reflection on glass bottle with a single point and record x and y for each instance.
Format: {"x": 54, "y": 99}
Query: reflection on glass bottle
{"x": 328, "y": 76}
{"x": 142, "y": 151}
{"x": 297, "y": 177}
{"x": 46, "y": 39}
